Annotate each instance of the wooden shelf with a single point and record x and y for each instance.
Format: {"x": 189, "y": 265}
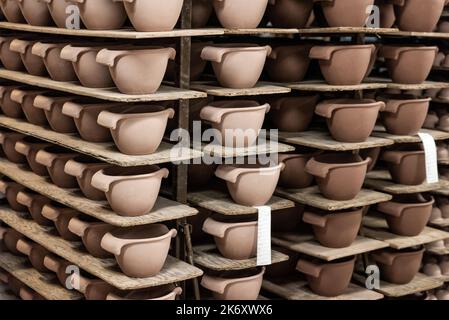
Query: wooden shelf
{"x": 436, "y": 35}
{"x": 120, "y": 34}
{"x": 261, "y": 88}
{"x": 439, "y": 252}
{"x": 207, "y": 256}
{"x": 436, "y": 134}
{"x": 296, "y": 242}
{"x": 347, "y": 30}
{"x": 312, "y": 197}
{"x": 377, "y": 228}
{"x": 164, "y": 210}
{"x": 444, "y": 191}
{"x": 322, "y": 86}
{"x": 443, "y": 162}
{"x": 381, "y": 180}
{"x": 105, "y": 269}
{"x": 164, "y": 93}
{"x": 261, "y": 31}
{"x": 423, "y": 86}
{"x": 106, "y": 152}
{"x": 219, "y": 151}
{"x": 323, "y": 141}
{"x": 443, "y": 223}
{"x": 294, "y": 288}
{"x": 45, "y": 284}
{"x": 222, "y": 203}
{"x": 421, "y": 283}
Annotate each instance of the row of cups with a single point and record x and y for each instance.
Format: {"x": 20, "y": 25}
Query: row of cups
{"x": 18, "y": 288}
{"x": 94, "y": 289}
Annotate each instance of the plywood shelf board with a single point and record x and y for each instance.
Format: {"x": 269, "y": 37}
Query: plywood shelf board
{"x": 436, "y": 134}
{"x": 45, "y": 284}
{"x": 261, "y": 88}
{"x": 165, "y": 93}
{"x": 436, "y": 35}
{"x": 164, "y": 210}
{"x": 222, "y": 203}
{"x": 439, "y": 251}
{"x": 207, "y": 256}
{"x": 312, "y": 197}
{"x": 322, "y": 86}
{"x": 219, "y": 151}
{"x": 173, "y": 271}
{"x": 442, "y": 223}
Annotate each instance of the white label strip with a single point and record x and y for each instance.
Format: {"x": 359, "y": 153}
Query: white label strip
{"x": 264, "y": 236}
{"x": 430, "y": 149}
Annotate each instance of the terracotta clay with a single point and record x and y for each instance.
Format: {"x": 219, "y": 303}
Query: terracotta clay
{"x": 346, "y": 13}
{"x": 245, "y": 182}
{"x": 407, "y": 215}
{"x": 36, "y": 12}
{"x": 293, "y": 114}
{"x": 83, "y": 168}
{"x": 27, "y": 294}
{"x": 113, "y": 15}
{"x": 240, "y": 14}
{"x": 288, "y": 63}
{"x": 431, "y": 121}
{"x": 130, "y": 191}
{"x": 153, "y": 15}
{"x": 343, "y": 65}
{"x": 294, "y": 176}
{"x": 10, "y": 107}
{"x": 408, "y": 65}
{"x": 432, "y": 270}
{"x": 36, "y": 254}
{"x": 236, "y": 241}
{"x": 10, "y": 238}
{"x": 283, "y": 269}
{"x": 197, "y": 65}
{"x": 238, "y": 121}
{"x": 34, "y": 203}
{"x": 25, "y": 98}
{"x": 50, "y": 53}
{"x": 398, "y": 267}
{"x": 59, "y": 267}
{"x": 289, "y": 13}
{"x": 58, "y": 11}
{"x": 138, "y": 130}
{"x": 52, "y": 105}
{"x": 237, "y": 67}
{"x": 85, "y": 114}
{"x": 406, "y": 164}
{"x": 439, "y": 58}
{"x": 55, "y": 158}
{"x": 11, "y": 60}
{"x": 328, "y": 279}
{"x": 11, "y": 10}
{"x": 419, "y": 16}
{"x": 244, "y": 285}
{"x": 342, "y": 114}
{"x": 335, "y": 230}
{"x": 339, "y": 176}
{"x": 29, "y": 147}
{"x": 10, "y": 189}
{"x": 8, "y": 141}
{"x": 436, "y": 215}
{"x": 201, "y": 12}
{"x": 167, "y": 293}
{"x": 137, "y": 71}
{"x": 61, "y": 216}
{"x": 34, "y": 65}
{"x": 91, "y": 234}
{"x": 404, "y": 116}
{"x": 131, "y": 247}
{"x": 373, "y": 154}
{"x": 387, "y": 13}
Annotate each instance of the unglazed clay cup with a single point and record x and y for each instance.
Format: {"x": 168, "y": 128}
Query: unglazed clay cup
{"x": 131, "y": 192}
{"x": 131, "y": 247}
{"x": 407, "y": 164}
{"x": 250, "y": 185}
{"x": 34, "y": 203}
{"x": 11, "y": 60}
{"x": 59, "y": 267}
{"x": 138, "y": 71}
{"x": 293, "y": 114}
{"x": 10, "y": 238}
{"x": 243, "y": 286}
{"x": 164, "y": 293}
{"x": 346, "y": 13}
{"x": 34, "y": 65}
{"x": 29, "y": 147}
{"x": 294, "y": 175}
{"x": 35, "y": 12}
{"x": 58, "y": 11}
{"x": 61, "y": 216}
{"x": 11, "y": 11}
{"x": 35, "y": 252}
{"x": 201, "y": 12}
{"x": 52, "y": 105}
{"x": 138, "y": 130}
{"x": 240, "y": 14}
{"x": 341, "y": 114}
{"x": 289, "y": 13}
{"x": 237, "y": 67}
{"x": 25, "y": 98}
{"x": 288, "y": 63}
{"x": 239, "y": 121}
{"x": 113, "y": 15}
{"x": 387, "y": 13}
{"x": 8, "y": 141}
{"x": 10, "y": 189}
{"x": 236, "y": 241}
{"x": 10, "y": 107}
{"x": 55, "y": 158}
{"x": 415, "y": 15}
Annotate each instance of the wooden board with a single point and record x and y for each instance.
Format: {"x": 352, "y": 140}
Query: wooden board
{"x": 222, "y": 203}
{"x": 219, "y": 151}
{"x": 377, "y": 228}
{"x": 436, "y": 35}
{"x": 421, "y": 283}
{"x": 436, "y": 134}
{"x": 207, "y": 256}
{"x": 106, "y": 152}
{"x": 164, "y": 209}
{"x": 347, "y": 30}
{"x": 438, "y": 252}
{"x": 261, "y": 88}
{"x": 322, "y": 86}
{"x": 164, "y": 93}
{"x": 173, "y": 271}
{"x": 443, "y": 223}
{"x": 261, "y": 31}
{"x": 381, "y": 180}
{"x": 443, "y": 191}
{"x": 323, "y": 141}
{"x": 423, "y": 86}
{"x": 45, "y": 284}
{"x": 294, "y": 288}
{"x": 295, "y": 242}
{"x": 120, "y": 34}
{"x": 312, "y": 197}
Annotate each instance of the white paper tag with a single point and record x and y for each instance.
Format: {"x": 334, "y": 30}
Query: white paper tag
{"x": 264, "y": 236}
{"x": 430, "y": 149}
